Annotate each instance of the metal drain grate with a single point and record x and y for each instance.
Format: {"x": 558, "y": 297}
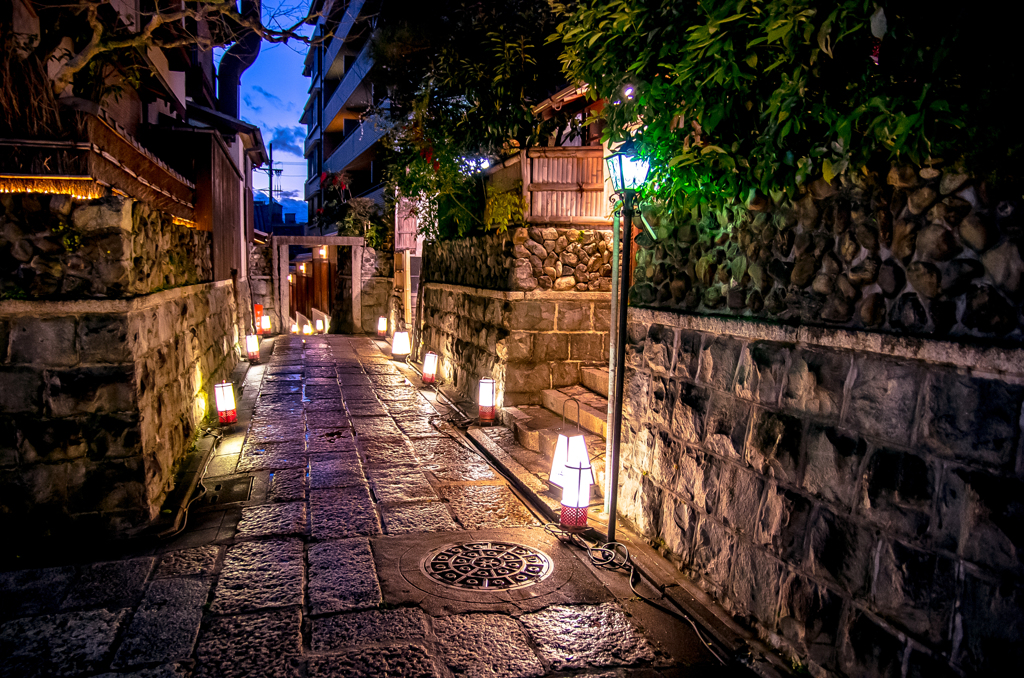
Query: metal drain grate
{"x": 229, "y": 491}
{"x": 487, "y": 565}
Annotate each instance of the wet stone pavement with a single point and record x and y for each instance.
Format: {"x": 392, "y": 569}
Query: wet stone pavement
{"x": 309, "y": 556}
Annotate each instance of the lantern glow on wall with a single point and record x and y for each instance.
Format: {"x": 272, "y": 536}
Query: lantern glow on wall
{"x": 382, "y": 327}
{"x": 252, "y": 348}
{"x": 486, "y": 407}
{"x": 225, "y": 395}
{"x": 400, "y": 348}
{"x": 430, "y": 368}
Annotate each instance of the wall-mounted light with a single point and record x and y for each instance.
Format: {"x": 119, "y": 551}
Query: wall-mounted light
{"x": 400, "y": 348}
{"x": 319, "y": 326}
{"x": 382, "y": 327}
{"x": 225, "y": 394}
{"x": 265, "y": 323}
{"x": 430, "y": 368}
{"x": 486, "y": 408}
{"x": 257, "y": 314}
{"x": 252, "y": 348}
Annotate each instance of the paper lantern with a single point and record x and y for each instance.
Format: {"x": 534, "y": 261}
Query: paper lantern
{"x": 319, "y": 326}
{"x": 252, "y": 347}
{"x": 265, "y": 323}
{"x": 430, "y": 368}
{"x": 306, "y": 329}
{"x": 577, "y": 477}
{"x": 225, "y": 395}
{"x": 295, "y": 328}
{"x": 382, "y": 327}
{"x": 400, "y": 348}
{"x": 486, "y": 408}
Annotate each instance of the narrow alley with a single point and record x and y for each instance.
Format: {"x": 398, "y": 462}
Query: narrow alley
{"x": 345, "y": 530}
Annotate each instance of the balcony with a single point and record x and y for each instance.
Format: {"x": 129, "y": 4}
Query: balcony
{"x": 312, "y": 186}
{"x": 312, "y": 139}
{"x": 357, "y": 143}
{"x": 348, "y": 21}
{"x": 349, "y": 85}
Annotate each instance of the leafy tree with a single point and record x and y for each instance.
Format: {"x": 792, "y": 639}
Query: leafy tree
{"x": 462, "y": 78}
{"x": 731, "y": 98}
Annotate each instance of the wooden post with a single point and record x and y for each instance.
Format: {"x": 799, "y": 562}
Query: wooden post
{"x": 357, "y": 288}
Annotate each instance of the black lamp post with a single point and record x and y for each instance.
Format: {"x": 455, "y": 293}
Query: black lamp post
{"x": 627, "y": 172}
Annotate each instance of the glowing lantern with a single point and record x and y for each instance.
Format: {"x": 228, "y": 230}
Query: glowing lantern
{"x": 306, "y": 329}
{"x": 291, "y": 278}
{"x": 568, "y": 446}
{"x": 382, "y": 327}
{"x": 302, "y": 269}
{"x": 252, "y": 347}
{"x": 257, "y": 314}
{"x": 400, "y": 349}
{"x": 265, "y": 323}
{"x": 430, "y": 368}
{"x": 323, "y": 252}
{"x": 225, "y": 394}
{"x": 576, "y": 477}
{"x": 295, "y": 328}
{"x": 486, "y": 407}
{"x": 319, "y": 326}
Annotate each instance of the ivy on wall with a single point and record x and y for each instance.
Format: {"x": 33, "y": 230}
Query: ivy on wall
{"x": 744, "y": 100}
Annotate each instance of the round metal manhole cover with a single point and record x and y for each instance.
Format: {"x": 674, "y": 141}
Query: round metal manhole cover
{"x": 487, "y": 565}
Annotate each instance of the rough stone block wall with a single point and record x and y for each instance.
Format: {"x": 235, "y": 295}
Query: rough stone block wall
{"x": 56, "y": 247}
{"x": 110, "y": 337}
{"x": 261, "y": 281}
{"x": 377, "y": 282}
{"x": 525, "y": 341}
{"x": 855, "y": 497}
{"x": 525, "y": 259}
{"x": 916, "y": 251}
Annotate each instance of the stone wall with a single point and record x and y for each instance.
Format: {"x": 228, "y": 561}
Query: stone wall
{"x": 919, "y": 252}
{"x": 855, "y": 497}
{"x": 525, "y": 341}
{"x": 261, "y": 282}
{"x": 377, "y": 280}
{"x": 104, "y": 384}
{"x": 55, "y": 247}
{"x": 562, "y": 259}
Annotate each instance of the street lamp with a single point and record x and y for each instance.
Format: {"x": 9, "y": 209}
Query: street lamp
{"x": 627, "y": 172}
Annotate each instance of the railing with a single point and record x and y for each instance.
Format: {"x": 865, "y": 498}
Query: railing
{"x": 350, "y": 82}
{"x": 341, "y": 33}
{"x": 562, "y": 185}
{"x": 366, "y": 135}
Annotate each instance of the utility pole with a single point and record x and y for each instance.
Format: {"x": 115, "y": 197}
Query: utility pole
{"x": 270, "y": 176}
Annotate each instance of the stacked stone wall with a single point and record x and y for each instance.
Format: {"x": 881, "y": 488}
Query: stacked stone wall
{"x": 106, "y": 365}
{"x": 377, "y": 282}
{"x": 856, "y": 498}
{"x": 261, "y": 281}
{"x": 525, "y": 341}
{"x": 914, "y": 251}
{"x": 525, "y": 259}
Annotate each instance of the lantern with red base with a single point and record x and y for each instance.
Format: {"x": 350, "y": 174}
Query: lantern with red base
{"x": 319, "y": 326}
{"x": 400, "y": 348}
{"x": 252, "y": 348}
{"x": 382, "y": 327}
{"x": 576, "y": 477}
{"x": 430, "y": 368}
{"x": 486, "y": 409}
{"x": 225, "y": 396}
{"x": 568, "y": 445}
{"x": 257, "y": 314}
{"x": 265, "y": 323}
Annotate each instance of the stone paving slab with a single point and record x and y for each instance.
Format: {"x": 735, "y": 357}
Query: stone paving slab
{"x": 288, "y": 485}
{"x": 273, "y": 520}
{"x": 277, "y": 377}
{"x": 278, "y": 430}
{"x": 342, "y": 577}
{"x": 328, "y": 379}
{"x": 418, "y": 427}
{"x": 328, "y": 419}
{"x": 342, "y": 513}
{"x": 366, "y": 408}
{"x": 258, "y": 575}
{"x": 320, "y": 441}
{"x": 268, "y": 645}
{"x": 334, "y": 471}
{"x": 25, "y": 592}
{"x": 59, "y": 644}
{"x": 388, "y": 379}
{"x": 324, "y": 405}
{"x": 425, "y": 517}
{"x": 321, "y": 392}
{"x": 352, "y": 392}
{"x": 165, "y": 671}
{"x": 485, "y": 645}
{"x": 331, "y": 634}
{"x": 165, "y": 626}
{"x": 407, "y": 661}
{"x": 279, "y": 387}
{"x": 585, "y": 636}
{"x": 484, "y": 506}
{"x": 196, "y": 561}
{"x": 111, "y": 584}
{"x": 410, "y": 407}
{"x": 272, "y": 458}
{"x": 375, "y": 427}
{"x": 380, "y": 368}
{"x": 321, "y": 372}
{"x": 388, "y": 393}
{"x": 400, "y": 484}
{"x": 387, "y": 452}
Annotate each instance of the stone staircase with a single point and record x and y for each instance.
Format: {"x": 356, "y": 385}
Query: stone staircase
{"x": 536, "y": 427}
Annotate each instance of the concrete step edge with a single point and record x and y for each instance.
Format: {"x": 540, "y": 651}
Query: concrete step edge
{"x": 595, "y": 379}
{"x": 590, "y": 418}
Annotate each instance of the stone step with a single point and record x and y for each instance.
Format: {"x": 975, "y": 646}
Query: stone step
{"x": 596, "y": 379}
{"x": 536, "y": 429}
{"x": 593, "y": 408}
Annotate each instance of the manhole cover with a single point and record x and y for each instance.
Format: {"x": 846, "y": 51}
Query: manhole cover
{"x": 488, "y": 565}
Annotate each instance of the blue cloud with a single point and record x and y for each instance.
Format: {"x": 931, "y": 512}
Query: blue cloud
{"x": 290, "y": 139}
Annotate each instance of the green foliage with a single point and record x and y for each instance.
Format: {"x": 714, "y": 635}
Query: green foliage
{"x": 359, "y": 217}
{"x": 504, "y": 208}
{"x": 739, "y": 97}
{"x": 462, "y": 80}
